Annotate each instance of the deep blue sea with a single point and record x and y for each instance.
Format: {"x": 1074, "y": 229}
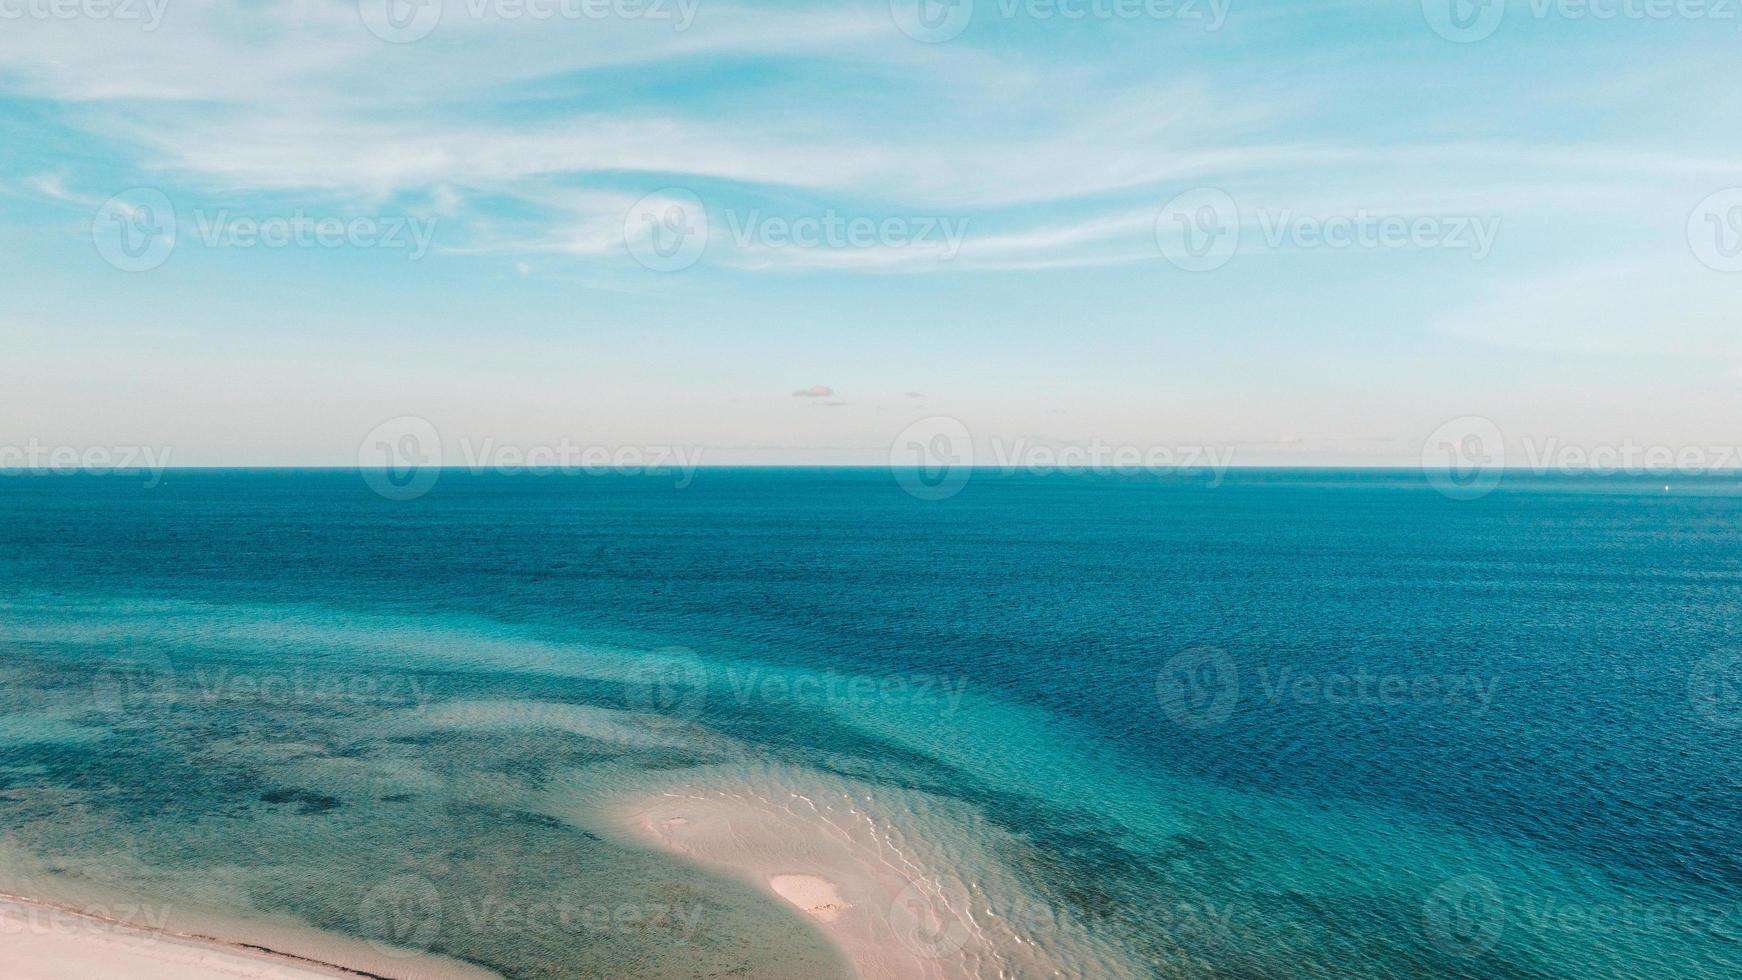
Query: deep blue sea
{"x": 1285, "y": 724}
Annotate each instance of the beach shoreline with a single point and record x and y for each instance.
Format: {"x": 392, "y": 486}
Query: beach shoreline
{"x": 48, "y": 940}
{"x": 898, "y": 895}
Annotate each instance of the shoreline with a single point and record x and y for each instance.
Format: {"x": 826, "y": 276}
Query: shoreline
{"x": 900, "y": 893}
{"x": 828, "y": 894}
{"x": 82, "y": 942}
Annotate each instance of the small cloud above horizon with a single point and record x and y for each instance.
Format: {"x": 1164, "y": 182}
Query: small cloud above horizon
{"x": 814, "y": 391}
{"x": 915, "y": 394}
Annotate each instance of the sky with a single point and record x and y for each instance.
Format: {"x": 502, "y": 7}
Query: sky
{"x": 1316, "y": 233}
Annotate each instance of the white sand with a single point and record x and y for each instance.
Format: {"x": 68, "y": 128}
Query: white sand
{"x": 814, "y": 895}
{"x": 47, "y": 942}
{"x": 900, "y": 893}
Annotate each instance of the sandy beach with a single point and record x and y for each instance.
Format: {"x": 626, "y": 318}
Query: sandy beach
{"x": 43, "y": 941}
{"x": 897, "y": 905}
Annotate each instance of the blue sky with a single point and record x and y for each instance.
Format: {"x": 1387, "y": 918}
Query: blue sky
{"x": 1016, "y": 173}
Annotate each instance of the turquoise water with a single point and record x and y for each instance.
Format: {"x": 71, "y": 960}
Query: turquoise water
{"x": 1301, "y": 724}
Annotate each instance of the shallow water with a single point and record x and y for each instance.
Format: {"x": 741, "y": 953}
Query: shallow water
{"x": 1295, "y": 725}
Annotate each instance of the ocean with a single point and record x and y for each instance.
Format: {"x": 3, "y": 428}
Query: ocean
{"x": 1282, "y": 723}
